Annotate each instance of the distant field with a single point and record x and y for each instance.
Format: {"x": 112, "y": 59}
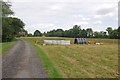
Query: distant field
{"x": 83, "y": 61}
{"x": 5, "y": 46}
{"x": 40, "y": 40}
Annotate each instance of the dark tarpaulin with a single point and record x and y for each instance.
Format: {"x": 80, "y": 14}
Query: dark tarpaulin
{"x": 80, "y": 41}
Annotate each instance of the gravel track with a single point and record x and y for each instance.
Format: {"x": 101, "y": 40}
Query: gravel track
{"x": 22, "y": 61}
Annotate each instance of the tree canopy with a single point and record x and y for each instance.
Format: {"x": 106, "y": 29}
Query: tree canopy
{"x": 37, "y": 33}
{"x": 6, "y": 11}
{"x": 11, "y": 26}
{"x": 76, "y": 31}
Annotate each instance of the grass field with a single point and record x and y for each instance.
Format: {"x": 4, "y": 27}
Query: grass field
{"x": 82, "y": 61}
{"x": 5, "y": 46}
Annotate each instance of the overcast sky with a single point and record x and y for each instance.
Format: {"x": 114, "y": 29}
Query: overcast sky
{"x": 46, "y": 15}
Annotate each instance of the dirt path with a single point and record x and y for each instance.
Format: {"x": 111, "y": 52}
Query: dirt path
{"x": 22, "y": 61}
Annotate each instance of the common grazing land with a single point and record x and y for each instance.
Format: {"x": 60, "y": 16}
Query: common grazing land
{"x": 81, "y": 61}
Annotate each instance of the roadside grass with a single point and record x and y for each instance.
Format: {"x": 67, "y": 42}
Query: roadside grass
{"x": 5, "y": 46}
{"x": 48, "y": 65}
{"x": 82, "y": 61}
{"x": 0, "y": 48}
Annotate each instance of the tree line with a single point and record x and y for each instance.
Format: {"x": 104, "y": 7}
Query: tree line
{"x": 14, "y": 27}
{"x": 76, "y": 31}
{"x": 11, "y": 26}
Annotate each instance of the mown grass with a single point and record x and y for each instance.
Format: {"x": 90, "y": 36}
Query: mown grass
{"x": 83, "y": 61}
{"x": 5, "y": 46}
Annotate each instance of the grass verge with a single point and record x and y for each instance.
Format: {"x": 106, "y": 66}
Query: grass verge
{"x": 51, "y": 71}
{"x": 5, "y": 46}
{"x": 49, "y": 67}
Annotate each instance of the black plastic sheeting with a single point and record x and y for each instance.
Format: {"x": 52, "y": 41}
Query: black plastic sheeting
{"x": 80, "y": 41}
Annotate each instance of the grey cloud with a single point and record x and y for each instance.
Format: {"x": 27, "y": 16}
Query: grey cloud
{"x": 61, "y": 14}
{"x": 105, "y": 11}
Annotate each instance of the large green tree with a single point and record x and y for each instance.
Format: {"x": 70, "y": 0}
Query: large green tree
{"x": 55, "y": 33}
{"x": 101, "y": 34}
{"x": 76, "y": 31}
{"x": 113, "y": 33}
{"x": 119, "y": 32}
{"x": 11, "y": 27}
{"x": 6, "y": 11}
{"x": 89, "y": 32}
{"x": 37, "y": 33}
{"x": 59, "y": 32}
{"x": 83, "y": 33}
{"x": 109, "y": 30}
